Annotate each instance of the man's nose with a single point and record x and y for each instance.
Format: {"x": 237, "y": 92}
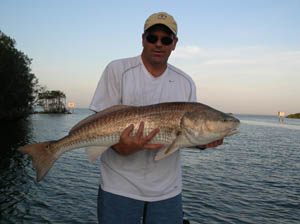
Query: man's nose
{"x": 158, "y": 43}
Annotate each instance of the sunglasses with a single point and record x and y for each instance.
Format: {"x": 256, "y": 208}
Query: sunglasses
{"x": 164, "y": 40}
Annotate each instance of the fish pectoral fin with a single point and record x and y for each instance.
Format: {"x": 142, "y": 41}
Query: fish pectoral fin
{"x": 166, "y": 151}
{"x": 94, "y": 152}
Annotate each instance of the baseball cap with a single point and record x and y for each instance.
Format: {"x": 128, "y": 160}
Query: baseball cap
{"x": 161, "y": 18}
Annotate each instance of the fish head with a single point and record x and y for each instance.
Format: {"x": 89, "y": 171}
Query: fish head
{"x": 205, "y": 125}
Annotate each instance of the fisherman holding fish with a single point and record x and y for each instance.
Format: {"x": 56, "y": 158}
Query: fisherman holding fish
{"x": 146, "y": 112}
{"x": 133, "y": 185}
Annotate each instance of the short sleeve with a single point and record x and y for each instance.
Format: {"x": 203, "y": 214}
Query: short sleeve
{"x": 108, "y": 92}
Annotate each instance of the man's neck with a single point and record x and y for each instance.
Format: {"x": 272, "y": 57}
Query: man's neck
{"x": 155, "y": 70}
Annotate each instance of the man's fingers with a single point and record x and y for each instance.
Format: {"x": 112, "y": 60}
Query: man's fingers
{"x": 128, "y": 130}
{"x": 219, "y": 142}
{"x": 214, "y": 144}
{"x": 151, "y": 135}
{"x": 153, "y": 146}
{"x": 140, "y": 131}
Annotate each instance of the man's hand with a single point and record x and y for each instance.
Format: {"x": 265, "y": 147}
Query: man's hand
{"x": 214, "y": 144}
{"x": 210, "y": 145}
{"x": 130, "y": 144}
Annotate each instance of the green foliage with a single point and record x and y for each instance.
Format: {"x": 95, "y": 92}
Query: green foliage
{"x": 51, "y": 94}
{"x": 294, "y": 116}
{"x": 17, "y": 83}
{"x": 52, "y": 101}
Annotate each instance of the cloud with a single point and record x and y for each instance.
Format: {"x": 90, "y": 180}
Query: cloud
{"x": 253, "y": 79}
{"x": 248, "y": 58}
{"x": 187, "y": 52}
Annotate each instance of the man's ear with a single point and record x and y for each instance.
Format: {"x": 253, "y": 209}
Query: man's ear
{"x": 143, "y": 39}
{"x": 174, "y": 43}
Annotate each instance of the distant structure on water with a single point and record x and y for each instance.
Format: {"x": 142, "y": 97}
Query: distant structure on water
{"x": 53, "y": 102}
{"x": 280, "y": 116}
{"x": 71, "y": 105}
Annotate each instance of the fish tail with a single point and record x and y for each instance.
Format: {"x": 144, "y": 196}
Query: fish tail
{"x": 43, "y": 157}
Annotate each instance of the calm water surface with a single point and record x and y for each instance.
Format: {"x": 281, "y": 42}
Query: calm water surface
{"x": 254, "y": 177}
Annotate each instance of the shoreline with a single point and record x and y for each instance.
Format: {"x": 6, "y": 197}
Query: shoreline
{"x": 42, "y": 112}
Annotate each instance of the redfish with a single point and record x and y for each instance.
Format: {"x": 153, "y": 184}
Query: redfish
{"x": 181, "y": 125}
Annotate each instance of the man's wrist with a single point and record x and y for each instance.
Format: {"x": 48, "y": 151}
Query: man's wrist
{"x": 115, "y": 148}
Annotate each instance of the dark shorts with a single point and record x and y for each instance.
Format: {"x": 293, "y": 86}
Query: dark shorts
{"x": 116, "y": 209}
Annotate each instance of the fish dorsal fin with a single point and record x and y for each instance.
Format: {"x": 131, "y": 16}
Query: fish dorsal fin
{"x": 95, "y": 116}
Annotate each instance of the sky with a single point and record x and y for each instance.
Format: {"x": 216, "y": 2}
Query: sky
{"x": 244, "y": 55}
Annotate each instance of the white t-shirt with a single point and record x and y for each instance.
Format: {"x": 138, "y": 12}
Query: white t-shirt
{"x": 138, "y": 175}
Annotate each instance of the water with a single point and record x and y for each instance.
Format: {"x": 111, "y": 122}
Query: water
{"x": 254, "y": 177}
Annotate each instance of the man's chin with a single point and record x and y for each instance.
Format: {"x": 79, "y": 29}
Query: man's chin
{"x": 158, "y": 61}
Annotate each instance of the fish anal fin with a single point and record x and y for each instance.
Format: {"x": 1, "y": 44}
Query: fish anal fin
{"x": 94, "y": 152}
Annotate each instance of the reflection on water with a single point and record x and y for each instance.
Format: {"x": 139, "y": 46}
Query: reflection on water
{"x": 14, "y": 181}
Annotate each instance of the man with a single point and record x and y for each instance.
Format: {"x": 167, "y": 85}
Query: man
{"x": 133, "y": 185}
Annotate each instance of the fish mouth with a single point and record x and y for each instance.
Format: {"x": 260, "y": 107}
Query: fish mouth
{"x": 231, "y": 132}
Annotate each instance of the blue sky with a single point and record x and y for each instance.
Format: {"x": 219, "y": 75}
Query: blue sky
{"x": 244, "y": 55}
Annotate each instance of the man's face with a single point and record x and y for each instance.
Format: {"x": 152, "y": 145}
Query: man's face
{"x": 157, "y": 52}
